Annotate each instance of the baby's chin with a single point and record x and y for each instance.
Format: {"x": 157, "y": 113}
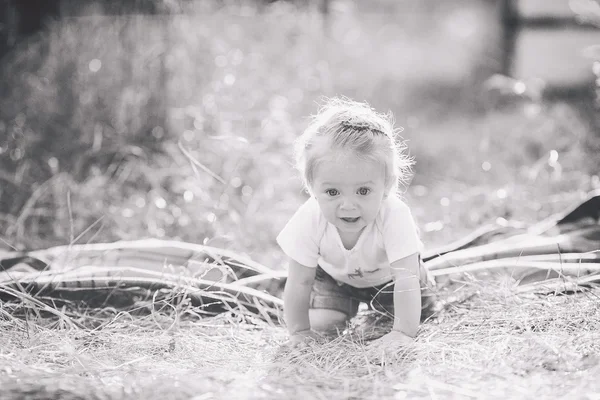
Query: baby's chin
{"x": 350, "y": 226}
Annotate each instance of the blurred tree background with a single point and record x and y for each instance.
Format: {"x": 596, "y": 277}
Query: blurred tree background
{"x": 176, "y": 118}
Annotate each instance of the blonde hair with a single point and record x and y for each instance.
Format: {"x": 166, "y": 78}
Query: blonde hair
{"x": 349, "y": 126}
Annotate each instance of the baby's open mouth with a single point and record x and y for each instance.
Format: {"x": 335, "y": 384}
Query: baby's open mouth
{"x": 350, "y": 219}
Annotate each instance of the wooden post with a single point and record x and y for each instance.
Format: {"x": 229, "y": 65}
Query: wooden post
{"x": 8, "y": 26}
{"x": 325, "y": 8}
{"x": 510, "y": 31}
{"x": 20, "y": 18}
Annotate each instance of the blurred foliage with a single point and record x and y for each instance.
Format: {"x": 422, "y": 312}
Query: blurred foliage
{"x": 180, "y": 125}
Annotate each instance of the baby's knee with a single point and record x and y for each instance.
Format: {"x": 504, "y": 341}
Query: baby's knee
{"x": 327, "y": 321}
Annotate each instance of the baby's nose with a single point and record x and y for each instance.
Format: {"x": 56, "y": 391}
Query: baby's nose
{"x": 347, "y": 204}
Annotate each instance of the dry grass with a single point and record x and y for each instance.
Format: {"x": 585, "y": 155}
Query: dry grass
{"x": 496, "y": 345}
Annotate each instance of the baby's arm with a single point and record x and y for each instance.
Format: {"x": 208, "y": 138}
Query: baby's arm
{"x": 296, "y": 297}
{"x": 407, "y": 295}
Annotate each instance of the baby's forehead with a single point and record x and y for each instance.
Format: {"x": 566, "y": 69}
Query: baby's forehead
{"x": 348, "y": 169}
{"x": 341, "y": 157}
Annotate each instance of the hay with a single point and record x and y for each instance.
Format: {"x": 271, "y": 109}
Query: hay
{"x": 497, "y": 344}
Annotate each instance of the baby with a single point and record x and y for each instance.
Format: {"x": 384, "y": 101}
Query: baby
{"x": 354, "y": 240}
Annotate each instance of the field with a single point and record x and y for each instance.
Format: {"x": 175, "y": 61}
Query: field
{"x": 182, "y": 126}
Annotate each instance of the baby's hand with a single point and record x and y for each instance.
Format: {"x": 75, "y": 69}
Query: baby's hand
{"x": 393, "y": 340}
{"x": 302, "y": 338}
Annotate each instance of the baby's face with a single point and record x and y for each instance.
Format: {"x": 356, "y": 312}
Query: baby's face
{"x": 349, "y": 191}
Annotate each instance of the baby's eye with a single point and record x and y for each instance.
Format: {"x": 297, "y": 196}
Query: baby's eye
{"x": 363, "y": 191}
{"x": 332, "y": 192}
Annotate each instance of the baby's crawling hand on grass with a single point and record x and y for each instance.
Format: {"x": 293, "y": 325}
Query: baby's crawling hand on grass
{"x": 394, "y": 340}
{"x": 302, "y": 339}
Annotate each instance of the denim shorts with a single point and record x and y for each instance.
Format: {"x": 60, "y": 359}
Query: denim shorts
{"x": 327, "y": 293}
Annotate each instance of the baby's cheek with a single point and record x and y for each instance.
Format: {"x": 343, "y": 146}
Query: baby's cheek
{"x": 329, "y": 213}
{"x": 372, "y": 212}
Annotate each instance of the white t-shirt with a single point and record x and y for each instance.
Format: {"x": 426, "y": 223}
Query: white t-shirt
{"x": 310, "y": 240}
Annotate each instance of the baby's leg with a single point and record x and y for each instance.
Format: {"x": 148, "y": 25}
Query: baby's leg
{"x": 327, "y": 321}
{"x": 331, "y": 305}
{"x": 382, "y": 298}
